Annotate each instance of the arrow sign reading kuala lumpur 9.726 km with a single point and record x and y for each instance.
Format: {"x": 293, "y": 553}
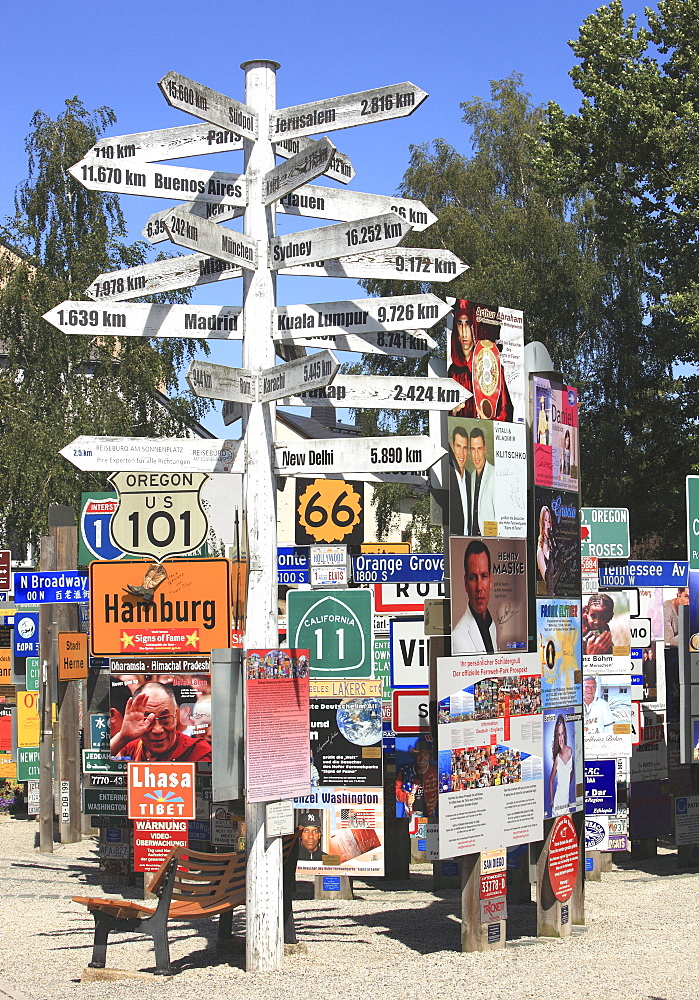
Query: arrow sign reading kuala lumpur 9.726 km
{"x": 199, "y": 234}
{"x": 171, "y": 455}
{"x": 399, "y": 312}
{"x": 141, "y": 319}
{"x": 194, "y": 98}
{"x": 366, "y": 106}
{"x": 354, "y": 455}
{"x": 376, "y": 233}
{"x": 157, "y": 181}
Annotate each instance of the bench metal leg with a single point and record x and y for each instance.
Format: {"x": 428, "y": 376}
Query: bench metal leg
{"x": 225, "y": 925}
{"x": 103, "y": 925}
{"x": 162, "y": 953}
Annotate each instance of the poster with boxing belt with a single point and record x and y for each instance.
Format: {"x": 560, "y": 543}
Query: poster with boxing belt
{"x": 487, "y": 378}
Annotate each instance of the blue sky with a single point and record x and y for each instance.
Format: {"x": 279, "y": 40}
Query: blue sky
{"x": 113, "y": 52}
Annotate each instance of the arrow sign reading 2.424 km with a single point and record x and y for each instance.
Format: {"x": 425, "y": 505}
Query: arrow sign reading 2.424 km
{"x": 132, "y": 454}
{"x": 199, "y": 234}
{"x": 194, "y": 98}
{"x": 354, "y": 455}
{"x": 385, "y": 392}
{"x": 366, "y": 106}
{"x": 378, "y": 232}
{"x": 157, "y": 181}
{"x": 141, "y": 319}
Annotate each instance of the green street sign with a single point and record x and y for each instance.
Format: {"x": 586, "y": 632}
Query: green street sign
{"x": 32, "y": 682}
{"x": 104, "y": 801}
{"x": 693, "y": 521}
{"x": 604, "y": 532}
{"x": 99, "y": 762}
{"x": 27, "y": 763}
{"x": 336, "y": 627}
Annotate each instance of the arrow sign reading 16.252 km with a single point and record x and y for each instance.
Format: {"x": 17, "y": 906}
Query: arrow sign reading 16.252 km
{"x": 199, "y": 234}
{"x": 378, "y": 232}
{"x": 386, "y": 392}
{"x": 366, "y": 106}
{"x": 171, "y": 455}
{"x": 141, "y": 319}
{"x": 354, "y": 455}
{"x": 157, "y": 181}
{"x": 196, "y": 99}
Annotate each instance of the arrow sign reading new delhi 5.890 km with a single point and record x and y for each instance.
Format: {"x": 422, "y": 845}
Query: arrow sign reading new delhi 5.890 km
{"x": 186, "y": 230}
{"x": 378, "y": 232}
{"x": 188, "y": 95}
{"x": 354, "y": 455}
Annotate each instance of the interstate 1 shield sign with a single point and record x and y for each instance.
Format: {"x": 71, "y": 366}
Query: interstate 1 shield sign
{"x": 159, "y": 514}
{"x": 95, "y": 538}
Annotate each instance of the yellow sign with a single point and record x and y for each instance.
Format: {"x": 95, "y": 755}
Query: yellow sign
{"x": 72, "y": 656}
{"x": 8, "y": 768}
{"x": 346, "y": 688}
{"x": 385, "y": 548}
{"x": 329, "y": 510}
{"x": 5, "y": 666}
{"x": 28, "y": 725}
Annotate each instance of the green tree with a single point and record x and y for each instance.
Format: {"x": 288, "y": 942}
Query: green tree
{"x": 54, "y": 387}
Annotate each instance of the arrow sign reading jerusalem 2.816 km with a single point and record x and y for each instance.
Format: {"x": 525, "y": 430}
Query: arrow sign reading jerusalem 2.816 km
{"x": 376, "y": 105}
{"x": 212, "y": 381}
{"x": 378, "y": 232}
{"x": 408, "y": 264}
{"x": 132, "y": 454}
{"x": 160, "y": 276}
{"x": 385, "y": 392}
{"x": 355, "y": 455}
{"x": 199, "y": 234}
{"x": 167, "y": 144}
{"x": 188, "y": 95}
{"x": 157, "y": 181}
{"x": 312, "y": 372}
{"x": 140, "y": 319}
{"x": 308, "y": 164}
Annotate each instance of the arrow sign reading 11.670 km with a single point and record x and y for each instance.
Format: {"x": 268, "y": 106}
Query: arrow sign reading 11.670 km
{"x": 376, "y": 233}
{"x": 199, "y": 234}
{"x": 376, "y": 105}
{"x": 157, "y": 181}
{"x": 354, "y": 455}
{"x": 141, "y": 319}
{"x": 151, "y": 455}
{"x": 194, "y": 98}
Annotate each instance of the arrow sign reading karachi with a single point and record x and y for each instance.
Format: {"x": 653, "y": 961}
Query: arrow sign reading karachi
{"x": 410, "y": 264}
{"x": 160, "y": 276}
{"x": 94, "y": 454}
{"x": 157, "y": 181}
{"x": 354, "y": 455}
{"x": 140, "y": 319}
{"x": 187, "y": 95}
{"x": 308, "y": 164}
{"x": 303, "y": 374}
{"x": 376, "y": 105}
{"x": 385, "y": 392}
{"x": 311, "y": 245}
{"x": 340, "y": 167}
{"x": 167, "y": 144}
{"x": 213, "y": 381}
{"x": 217, "y": 241}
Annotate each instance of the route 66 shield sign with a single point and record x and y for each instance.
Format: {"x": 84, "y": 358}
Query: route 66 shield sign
{"x": 159, "y": 513}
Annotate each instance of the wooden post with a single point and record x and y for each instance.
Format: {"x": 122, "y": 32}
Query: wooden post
{"x": 46, "y": 563}
{"x": 476, "y": 936}
{"x": 644, "y": 847}
{"x": 576, "y": 902}
{"x": 595, "y": 873}
{"x": 553, "y": 917}
{"x": 264, "y": 943}
{"x": 605, "y": 861}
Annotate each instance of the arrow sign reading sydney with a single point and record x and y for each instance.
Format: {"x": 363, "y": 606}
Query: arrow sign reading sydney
{"x": 409, "y": 264}
{"x": 376, "y": 105}
{"x": 311, "y": 245}
{"x": 194, "y": 98}
{"x": 140, "y": 319}
{"x": 160, "y": 276}
{"x": 399, "y": 312}
{"x": 157, "y": 181}
{"x": 221, "y": 382}
{"x": 95, "y": 454}
{"x": 308, "y": 164}
{"x": 317, "y": 202}
{"x": 350, "y": 455}
{"x": 199, "y": 234}
{"x": 390, "y": 343}
{"x": 167, "y": 144}
{"x": 385, "y": 392}
{"x": 300, "y": 375}
{"x": 340, "y": 167}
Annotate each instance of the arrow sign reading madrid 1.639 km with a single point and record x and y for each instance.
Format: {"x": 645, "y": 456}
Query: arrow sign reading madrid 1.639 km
{"x": 366, "y": 106}
{"x": 141, "y": 319}
{"x": 310, "y": 245}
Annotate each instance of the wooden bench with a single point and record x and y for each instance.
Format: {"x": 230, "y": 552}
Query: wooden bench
{"x": 190, "y": 885}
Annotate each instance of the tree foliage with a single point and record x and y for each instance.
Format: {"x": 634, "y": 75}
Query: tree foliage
{"x": 54, "y": 387}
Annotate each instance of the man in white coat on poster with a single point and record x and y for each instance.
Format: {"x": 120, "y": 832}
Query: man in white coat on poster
{"x": 482, "y": 484}
{"x": 475, "y": 630}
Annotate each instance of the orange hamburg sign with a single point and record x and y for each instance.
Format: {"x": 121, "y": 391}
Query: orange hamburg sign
{"x": 161, "y": 791}
{"x": 188, "y": 612}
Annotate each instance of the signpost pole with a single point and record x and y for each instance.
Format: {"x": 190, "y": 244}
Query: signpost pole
{"x": 264, "y": 943}
{"x": 46, "y": 562}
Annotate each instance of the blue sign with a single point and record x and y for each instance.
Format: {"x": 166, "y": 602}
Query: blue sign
{"x": 600, "y": 787}
{"x": 99, "y": 732}
{"x": 25, "y": 635}
{"x": 58, "y": 587}
{"x": 589, "y": 864}
{"x": 95, "y": 519}
{"x": 293, "y": 565}
{"x": 199, "y": 829}
{"x": 644, "y": 573}
{"x": 415, "y": 567}
{"x": 331, "y": 883}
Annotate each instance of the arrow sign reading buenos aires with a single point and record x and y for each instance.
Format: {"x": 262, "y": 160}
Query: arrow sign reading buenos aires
{"x": 311, "y": 245}
{"x": 188, "y": 231}
{"x": 194, "y": 98}
{"x": 167, "y": 144}
{"x": 221, "y": 382}
{"x": 155, "y": 231}
{"x": 385, "y": 392}
{"x": 376, "y": 105}
{"x": 408, "y": 264}
{"x": 157, "y": 181}
{"x": 308, "y": 164}
{"x": 359, "y": 315}
{"x": 340, "y": 167}
{"x": 160, "y": 276}
{"x": 131, "y": 454}
{"x": 317, "y": 202}
{"x": 302, "y": 374}
{"x": 351, "y": 455}
{"x": 392, "y": 343}
{"x": 140, "y": 319}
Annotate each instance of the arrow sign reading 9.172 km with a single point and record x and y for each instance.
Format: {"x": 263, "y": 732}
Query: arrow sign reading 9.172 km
{"x": 409, "y": 264}
{"x": 157, "y": 181}
{"x": 196, "y": 99}
{"x": 354, "y": 455}
{"x": 366, "y": 106}
{"x": 160, "y": 276}
{"x": 140, "y": 319}
{"x": 385, "y": 392}
{"x": 151, "y": 455}
{"x": 378, "y": 232}
{"x": 199, "y": 234}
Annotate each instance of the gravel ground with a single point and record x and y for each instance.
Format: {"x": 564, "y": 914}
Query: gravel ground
{"x": 397, "y": 942}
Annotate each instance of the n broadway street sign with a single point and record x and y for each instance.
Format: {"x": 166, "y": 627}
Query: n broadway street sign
{"x": 157, "y": 181}
{"x": 140, "y": 319}
{"x": 200, "y": 234}
{"x": 381, "y": 391}
{"x": 399, "y": 312}
{"x": 410, "y": 264}
{"x": 167, "y": 144}
{"x": 160, "y": 276}
{"x": 188, "y": 95}
{"x": 352, "y": 455}
{"x": 171, "y": 455}
{"x": 240, "y": 385}
{"x": 377, "y": 232}
{"x": 366, "y": 106}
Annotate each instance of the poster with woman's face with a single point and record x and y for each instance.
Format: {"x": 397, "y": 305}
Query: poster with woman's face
{"x": 557, "y": 543}
{"x": 555, "y": 428}
{"x": 563, "y": 761}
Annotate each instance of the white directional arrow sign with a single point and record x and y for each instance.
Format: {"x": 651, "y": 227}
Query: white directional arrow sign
{"x": 308, "y": 164}
{"x": 199, "y": 234}
{"x": 340, "y": 167}
{"x": 222, "y": 382}
{"x": 376, "y": 105}
{"x": 140, "y": 319}
{"x": 391, "y": 343}
{"x": 310, "y": 245}
{"x": 408, "y": 264}
{"x": 350, "y": 455}
{"x": 313, "y": 201}
{"x": 160, "y": 276}
{"x": 385, "y": 392}
{"x": 167, "y": 144}
{"x": 157, "y": 181}
{"x": 396, "y": 312}
{"x": 188, "y": 95}
{"x": 302, "y": 374}
{"x": 95, "y": 454}
{"x": 155, "y": 231}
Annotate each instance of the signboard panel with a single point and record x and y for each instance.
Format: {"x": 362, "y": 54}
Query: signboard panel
{"x": 160, "y": 276}
{"x": 96, "y": 454}
{"x": 394, "y": 343}
{"x": 153, "y": 839}
{"x": 25, "y": 635}
{"x": 153, "y": 180}
{"x": 411, "y": 710}
{"x": 692, "y": 488}
{"x": 340, "y": 167}
{"x": 312, "y": 201}
{"x": 563, "y": 858}
{"x": 410, "y": 264}
{"x": 352, "y": 455}
{"x": 104, "y": 801}
{"x": 167, "y": 144}
{"x": 378, "y": 232}
{"x": 648, "y": 573}
{"x": 27, "y": 763}
{"x": 385, "y": 392}
{"x": 406, "y": 598}
{"x": 292, "y": 565}
{"x": 336, "y": 626}
{"x": 99, "y": 762}
{"x": 686, "y": 820}
{"x": 161, "y": 791}
{"x": 329, "y": 510}
{"x": 141, "y": 319}
{"x": 305, "y": 165}
{"x": 5, "y": 568}
{"x": 209, "y": 238}
{"x": 557, "y": 519}
{"x": 377, "y": 105}
{"x": 72, "y": 656}
{"x": 558, "y": 628}
{"x": 160, "y": 514}
{"x": 409, "y": 653}
{"x": 604, "y": 532}
{"x": 417, "y": 567}
{"x": 563, "y": 760}
{"x": 305, "y": 373}
{"x": 196, "y": 99}
{"x": 50, "y": 588}
{"x": 399, "y": 312}
{"x": 600, "y": 788}
{"x": 556, "y": 443}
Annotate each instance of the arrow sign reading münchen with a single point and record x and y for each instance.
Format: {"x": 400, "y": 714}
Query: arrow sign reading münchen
{"x": 308, "y": 164}
{"x": 317, "y": 202}
{"x": 377, "y": 232}
{"x": 399, "y": 312}
{"x": 140, "y": 319}
{"x": 340, "y": 167}
{"x": 221, "y": 382}
{"x": 157, "y": 181}
{"x": 167, "y": 144}
{"x": 188, "y": 231}
{"x": 391, "y": 343}
{"x": 408, "y": 264}
{"x": 302, "y": 374}
{"x": 160, "y": 276}
{"x": 188, "y": 95}
{"x": 385, "y": 392}
{"x": 354, "y": 455}
{"x": 366, "y": 106}
{"x": 132, "y": 454}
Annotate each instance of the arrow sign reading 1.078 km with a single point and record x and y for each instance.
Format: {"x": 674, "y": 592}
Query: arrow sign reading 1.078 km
{"x": 196, "y": 99}
{"x": 366, "y": 106}
{"x": 409, "y": 264}
{"x": 308, "y": 164}
{"x": 167, "y": 144}
{"x": 140, "y": 319}
{"x": 399, "y": 312}
{"x": 171, "y": 455}
{"x": 212, "y": 381}
{"x": 385, "y": 392}
{"x": 377, "y": 232}
{"x": 353, "y": 455}
{"x": 160, "y": 276}
{"x": 199, "y": 234}
{"x": 157, "y": 181}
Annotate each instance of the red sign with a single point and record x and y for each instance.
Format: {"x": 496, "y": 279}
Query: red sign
{"x": 153, "y": 839}
{"x": 411, "y": 710}
{"x": 493, "y": 885}
{"x": 564, "y": 858}
{"x": 5, "y": 557}
{"x": 161, "y": 791}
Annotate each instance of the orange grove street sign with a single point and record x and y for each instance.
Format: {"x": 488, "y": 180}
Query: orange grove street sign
{"x": 188, "y": 612}
{"x": 161, "y": 791}
{"x": 72, "y": 656}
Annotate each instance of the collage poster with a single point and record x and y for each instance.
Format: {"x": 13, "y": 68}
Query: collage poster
{"x": 558, "y": 637}
{"x": 555, "y": 429}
